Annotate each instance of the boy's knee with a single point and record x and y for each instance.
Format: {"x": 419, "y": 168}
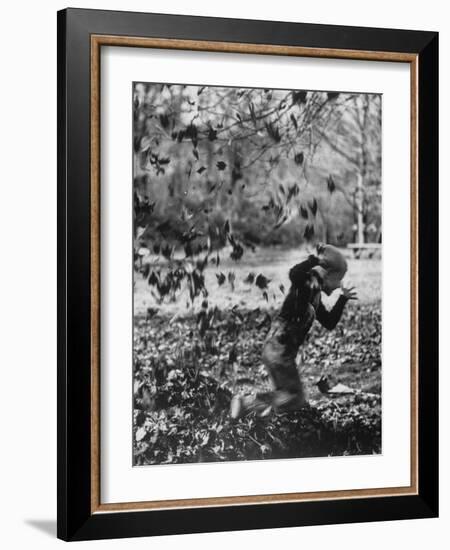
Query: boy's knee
{"x": 271, "y": 354}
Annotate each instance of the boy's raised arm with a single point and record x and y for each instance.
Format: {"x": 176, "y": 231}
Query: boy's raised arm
{"x": 330, "y": 318}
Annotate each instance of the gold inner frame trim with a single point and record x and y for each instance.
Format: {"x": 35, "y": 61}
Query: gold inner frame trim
{"x": 97, "y": 41}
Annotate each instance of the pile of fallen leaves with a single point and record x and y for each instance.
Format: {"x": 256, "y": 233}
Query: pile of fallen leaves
{"x": 184, "y": 380}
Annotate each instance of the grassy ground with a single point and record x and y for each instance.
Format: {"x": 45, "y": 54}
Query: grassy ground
{"x": 183, "y": 383}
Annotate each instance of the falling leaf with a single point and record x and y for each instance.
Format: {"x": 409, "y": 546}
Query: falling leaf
{"x": 299, "y": 97}
{"x": 167, "y": 251}
{"x": 151, "y": 312}
{"x": 293, "y": 191}
{"x": 250, "y": 279}
{"x": 220, "y": 278}
{"x": 201, "y": 170}
{"x": 281, "y": 221}
{"x": 153, "y": 279}
{"x": 212, "y": 134}
{"x": 332, "y": 95}
{"x": 309, "y": 232}
{"x": 261, "y": 281}
{"x": 294, "y": 121}
{"x": 330, "y": 183}
{"x": 232, "y": 279}
{"x": 237, "y": 252}
{"x": 313, "y": 207}
{"x": 273, "y": 132}
{"x": 298, "y": 158}
{"x": 221, "y": 165}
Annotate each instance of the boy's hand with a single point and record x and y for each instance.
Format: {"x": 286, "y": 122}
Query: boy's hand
{"x": 349, "y": 293}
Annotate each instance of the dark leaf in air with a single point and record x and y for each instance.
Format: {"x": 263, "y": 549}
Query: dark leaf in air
{"x": 167, "y": 251}
{"x": 201, "y": 170}
{"x": 250, "y": 279}
{"x": 299, "y": 97}
{"x": 153, "y": 279}
{"x": 151, "y": 312}
{"x": 273, "y": 132}
{"x": 330, "y": 183}
{"x": 237, "y": 252}
{"x": 299, "y": 157}
{"x": 221, "y": 165}
{"x": 304, "y": 212}
{"x": 294, "y": 122}
{"x": 293, "y": 191}
{"x": 332, "y": 95}
{"x": 281, "y": 221}
{"x": 252, "y": 112}
{"x": 220, "y": 278}
{"x": 212, "y": 134}
{"x": 192, "y": 133}
{"x": 261, "y": 281}
{"x": 309, "y": 232}
{"x": 164, "y": 119}
{"x": 313, "y": 207}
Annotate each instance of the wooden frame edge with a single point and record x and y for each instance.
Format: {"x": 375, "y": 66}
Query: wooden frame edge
{"x": 95, "y": 274}
{"x": 414, "y": 220}
{"x": 261, "y": 49}
{"x": 236, "y": 47}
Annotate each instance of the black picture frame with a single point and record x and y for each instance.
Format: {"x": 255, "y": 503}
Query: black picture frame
{"x": 76, "y": 521}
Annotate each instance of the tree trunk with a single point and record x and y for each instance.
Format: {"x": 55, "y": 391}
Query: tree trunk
{"x": 359, "y": 209}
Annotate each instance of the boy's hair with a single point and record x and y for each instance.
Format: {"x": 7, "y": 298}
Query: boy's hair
{"x": 331, "y": 262}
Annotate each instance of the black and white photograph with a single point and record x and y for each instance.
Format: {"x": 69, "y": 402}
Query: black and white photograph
{"x": 257, "y": 255}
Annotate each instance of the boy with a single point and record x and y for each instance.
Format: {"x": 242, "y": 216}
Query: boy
{"x": 321, "y": 273}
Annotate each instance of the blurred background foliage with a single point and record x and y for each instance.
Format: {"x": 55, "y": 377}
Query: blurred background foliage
{"x": 264, "y": 167}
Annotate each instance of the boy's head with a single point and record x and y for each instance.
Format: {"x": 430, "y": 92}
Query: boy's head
{"x": 331, "y": 268}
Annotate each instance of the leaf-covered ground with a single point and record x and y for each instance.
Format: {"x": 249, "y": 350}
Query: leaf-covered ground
{"x": 184, "y": 379}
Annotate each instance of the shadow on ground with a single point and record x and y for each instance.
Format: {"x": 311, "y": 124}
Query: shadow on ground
{"x": 46, "y": 526}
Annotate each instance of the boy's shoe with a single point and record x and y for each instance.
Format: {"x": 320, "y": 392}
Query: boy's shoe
{"x": 243, "y": 405}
